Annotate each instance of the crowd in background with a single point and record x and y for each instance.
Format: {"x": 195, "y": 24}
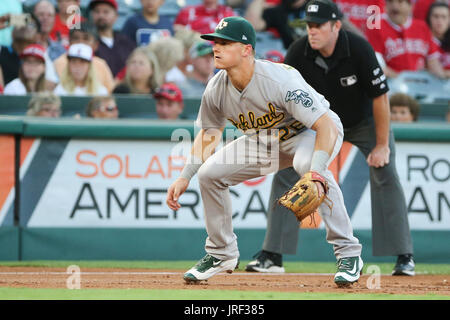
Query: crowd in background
{"x": 60, "y": 51}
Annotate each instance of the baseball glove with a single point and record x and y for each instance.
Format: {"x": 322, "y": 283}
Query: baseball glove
{"x": 303, "y": 198}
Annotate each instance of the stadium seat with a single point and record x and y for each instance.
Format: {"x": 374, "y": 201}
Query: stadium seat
{"x": 421, "y": 85}
{"x": 433, "y": 111}
{"x": 265, "y": 41}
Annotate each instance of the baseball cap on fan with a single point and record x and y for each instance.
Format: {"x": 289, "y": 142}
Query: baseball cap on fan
{"x": 112, "y": 3}
{"x": 234, "y": 29}
{"x": 169, "y": 91}
{"x": 81, "y": 51}
{"x": 321, "y": 11}
{"x": 200, "y": 49}
{"x": 34, "y": 50}
{"x": 274, "y": 56}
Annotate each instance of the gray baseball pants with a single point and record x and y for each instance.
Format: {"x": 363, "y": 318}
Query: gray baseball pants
{"x": 390, "y": 227}
{"x": 246, "y": 158}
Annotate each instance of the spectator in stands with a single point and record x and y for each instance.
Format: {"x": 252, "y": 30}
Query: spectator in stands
{"x": 7, "y": 8}
{"x": 45, "y": 13}
{"x": 79, "y": 77}
{"x": 113, "y": 47}
{"x": 169, "y": 52}
{"x": 44, "y": 104}
{"x": 358, "y": 14}
{"x": 86, "y": 34}
{"x": 203, "y": 69}
{"x": 169, "y": 101}
{"x": 10, "y": 56}
{"x": 102, "y": 108}
{"x": 403, "y": 108}
{"x": 421, "y": 8}
{"x": 188, "y": 38}
{"x": 142, "y": 73}
{"x": 31, "y": 73}
{"x": 403, "y": 43}
{"x": 264, "y": 15}
{"x": 438, "y": 19}
{"x": 148, "y": 25}
{"x": 448, "y": 113}
{"x": 68, "y": 18}
{"x": 202, "y": 18}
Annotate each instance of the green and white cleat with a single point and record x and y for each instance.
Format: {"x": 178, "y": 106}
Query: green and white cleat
{"x": 349, "y": 271}
{"x": 209, "y": 266}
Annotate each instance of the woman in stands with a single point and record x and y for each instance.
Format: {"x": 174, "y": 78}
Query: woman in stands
{"x": 44, "y": 104}
{"x": 438, "y": 20}
{"x": 79, "y": 78}
{"x": 142, "y": 73}
{"x": 31, "y": 73}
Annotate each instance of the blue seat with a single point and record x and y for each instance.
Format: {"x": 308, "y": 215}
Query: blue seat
{"x": 421, "y": 85}
{"x": 265, "y": 41}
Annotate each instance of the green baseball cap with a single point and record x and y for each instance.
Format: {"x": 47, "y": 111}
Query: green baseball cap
{"x": 200, "y": 49}
{"x": 234, "y": 29}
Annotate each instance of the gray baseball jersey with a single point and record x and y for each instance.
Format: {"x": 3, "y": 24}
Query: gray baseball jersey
{"x": 277, "y": 97}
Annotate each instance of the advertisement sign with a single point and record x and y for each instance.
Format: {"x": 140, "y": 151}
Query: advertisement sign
{"x": 123, "y": 184}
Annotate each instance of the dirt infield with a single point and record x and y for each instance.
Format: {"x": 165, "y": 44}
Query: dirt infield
{"x": 32, "y": 277}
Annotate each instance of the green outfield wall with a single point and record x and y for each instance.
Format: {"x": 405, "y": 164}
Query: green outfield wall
{"x": 94, "y": 190}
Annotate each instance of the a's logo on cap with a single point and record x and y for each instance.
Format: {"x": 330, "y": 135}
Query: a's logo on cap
{"x": 333, "y": 15}
{"x": 244, "y": 37}
{"x": 222, "y": 24}
{"x": 313, "y": 8}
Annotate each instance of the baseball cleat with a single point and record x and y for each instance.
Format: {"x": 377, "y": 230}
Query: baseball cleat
{"x": 404, "y": 266}
{"x": 209, "y": 266}
{"x": 266, "y": 262}
{"x": 349, "y": 271}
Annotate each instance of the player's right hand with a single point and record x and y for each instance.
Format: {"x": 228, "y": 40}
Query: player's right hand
{"x": 177, "y": 188}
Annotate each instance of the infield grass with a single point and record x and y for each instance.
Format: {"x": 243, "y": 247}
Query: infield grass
{"x": 147, "y": 294}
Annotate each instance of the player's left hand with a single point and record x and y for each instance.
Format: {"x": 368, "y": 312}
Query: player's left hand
{"x": 379, "y": 156}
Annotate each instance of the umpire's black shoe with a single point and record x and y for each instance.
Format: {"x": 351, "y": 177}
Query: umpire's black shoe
{"x": 266, "y": 261}
{"x": 404, "y": 266}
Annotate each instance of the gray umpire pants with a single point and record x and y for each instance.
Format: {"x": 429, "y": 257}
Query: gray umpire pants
{"x": 390, "y": 227}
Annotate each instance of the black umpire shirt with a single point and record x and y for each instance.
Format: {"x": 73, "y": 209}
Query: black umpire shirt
{"x": 349, "y": 79}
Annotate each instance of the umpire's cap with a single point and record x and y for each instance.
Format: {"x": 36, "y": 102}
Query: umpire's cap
{"x": 321, "y": 11}
{"x": 235, "y": 29}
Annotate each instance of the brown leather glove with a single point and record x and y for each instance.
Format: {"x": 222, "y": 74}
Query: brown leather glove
{"x": 304, "y": 197}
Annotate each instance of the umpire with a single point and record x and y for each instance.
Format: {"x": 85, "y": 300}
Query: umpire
{"x": 342, "y": 66}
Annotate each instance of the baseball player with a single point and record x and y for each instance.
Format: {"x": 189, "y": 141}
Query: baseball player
{"x": 343, "y": 67}
{"x": 285, "y": 123}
